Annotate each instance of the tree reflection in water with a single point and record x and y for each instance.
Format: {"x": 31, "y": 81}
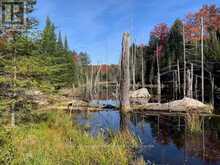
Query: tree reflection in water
{"x": 199, "y": 139}
{"x": 162, "y": 136}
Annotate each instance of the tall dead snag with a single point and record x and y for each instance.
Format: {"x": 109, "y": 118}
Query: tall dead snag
{"x": 202, "y": 58}
{"x": 213, "y": 91}
{"x": 190, "y": 82}
{"x": 184, "y": 59}
{"x": 142, "y": 66}
{"x": 212, "y": 80}
{"x": 158, "y": 76}
{"x": 125, "y": 76}
{"x": 73, "y": 98}
{"x": 133, "y": 66}
{"x": 175, "y": 80}
{"x": 97, "y": 80}
{"x": 91, "y": 84}
{"x": 178, "y": 75}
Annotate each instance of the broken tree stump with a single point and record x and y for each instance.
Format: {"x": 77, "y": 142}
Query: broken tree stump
{"x": 125, "y": 75}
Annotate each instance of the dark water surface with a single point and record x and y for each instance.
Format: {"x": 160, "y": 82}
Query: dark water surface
{"x": 164, "y": 139}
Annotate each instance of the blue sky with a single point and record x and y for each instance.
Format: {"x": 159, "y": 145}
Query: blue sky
{"x": 96, "y": 26}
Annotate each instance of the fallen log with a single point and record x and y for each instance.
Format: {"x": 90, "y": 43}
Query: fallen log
{"x": 184, "y": 105}
{"x": 84, "y": 109}
{"x": 78, "y": 103}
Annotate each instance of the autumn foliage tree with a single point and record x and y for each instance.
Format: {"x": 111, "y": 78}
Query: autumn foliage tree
{"x": 159, "y": 37}
{"x": 211, "y": 17}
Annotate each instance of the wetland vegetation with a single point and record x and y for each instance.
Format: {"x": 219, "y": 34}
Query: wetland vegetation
{"x": 58, "y": 107}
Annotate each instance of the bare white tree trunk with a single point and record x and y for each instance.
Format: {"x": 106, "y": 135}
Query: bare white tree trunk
{"x": 173, "y": 83}
{"x": 176, "y": 84}
{"x": 158, "y": 77}
{"x": 184, "y": 58}
{"x": 142, "y": 66}
{"x": 87, "y": 87}
{"x": 178, "y": 75}
{"x": 97, "y": 80}
{"x": 191, "y": 84}
{"x": 91, "y": 84}
{"x": 125, "y": 75}
{"x": 202, "y": 58}
{"x": 133, "y": 67}
{"x": 73, "y": 90}
{"x": 188, "y": 83}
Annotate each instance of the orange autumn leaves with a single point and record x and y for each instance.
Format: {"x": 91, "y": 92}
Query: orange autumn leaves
{"x": 160, "y": 33}
{"x": 211, "y": 22}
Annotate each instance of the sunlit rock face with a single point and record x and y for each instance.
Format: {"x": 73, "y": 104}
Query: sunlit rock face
{"x": 140, "y": 93}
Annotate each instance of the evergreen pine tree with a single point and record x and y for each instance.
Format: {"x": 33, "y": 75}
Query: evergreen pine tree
{"x": 66, "y": 46}
{"x": 60, "y": 41}
{"x": 49, "y": 39}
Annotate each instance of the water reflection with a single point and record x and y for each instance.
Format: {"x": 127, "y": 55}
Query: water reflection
{"x": 165, "y": 139}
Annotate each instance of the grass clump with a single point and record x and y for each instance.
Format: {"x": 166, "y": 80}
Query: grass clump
{"x": 7, "y": 150}
{"x": 58, "y": 141}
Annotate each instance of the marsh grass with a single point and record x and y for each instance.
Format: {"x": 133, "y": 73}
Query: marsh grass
{"x": 59, "y": 141}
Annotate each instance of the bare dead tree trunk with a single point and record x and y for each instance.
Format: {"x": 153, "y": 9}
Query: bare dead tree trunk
{"x": 87, "y": 87}
{"x": 213, "y": 91}
{"x": 106, "y": 85}
{"x": 173, "y": 83}
{"x": 202, "y": 57}
{"x": 125, "y": 75}
{"x": 91, "y": 84}
{"x": 213, "y": 88}
{"x": 196, "y": 88}
{"x": 133, "y": 67}
{"x": 142, "y": 66}
{"x": 178, "y": 75}
{"x": 96, "y": 87}
{"x": 191, "y": 84}
{"x": 151, "y": 75}
{"x": 73, "y": 90}
{"x": 188, "y": 82}
{"x": 184, "y": 58}
{"x": 176, "y": 84}
{"x": 158, "y": 77}
{"x": 117, "y": 90}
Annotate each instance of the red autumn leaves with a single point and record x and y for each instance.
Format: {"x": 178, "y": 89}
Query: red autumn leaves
{"x": 211, "y": 22}
{"x": 160, "y": 33}
{"x": 192, "y": 24}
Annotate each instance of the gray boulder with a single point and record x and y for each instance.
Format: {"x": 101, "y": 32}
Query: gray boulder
{"x": 140, "y": 93}
{"x": 140, "y": 96}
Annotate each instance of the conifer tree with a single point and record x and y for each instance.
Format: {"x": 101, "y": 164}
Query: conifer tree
{"x": 49, "y": 39}
{"x": 60, "y": 40}
{"x": 66, "y": 46}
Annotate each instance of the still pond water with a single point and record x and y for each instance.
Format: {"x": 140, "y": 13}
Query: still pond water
{"x": 164, "y": 139}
